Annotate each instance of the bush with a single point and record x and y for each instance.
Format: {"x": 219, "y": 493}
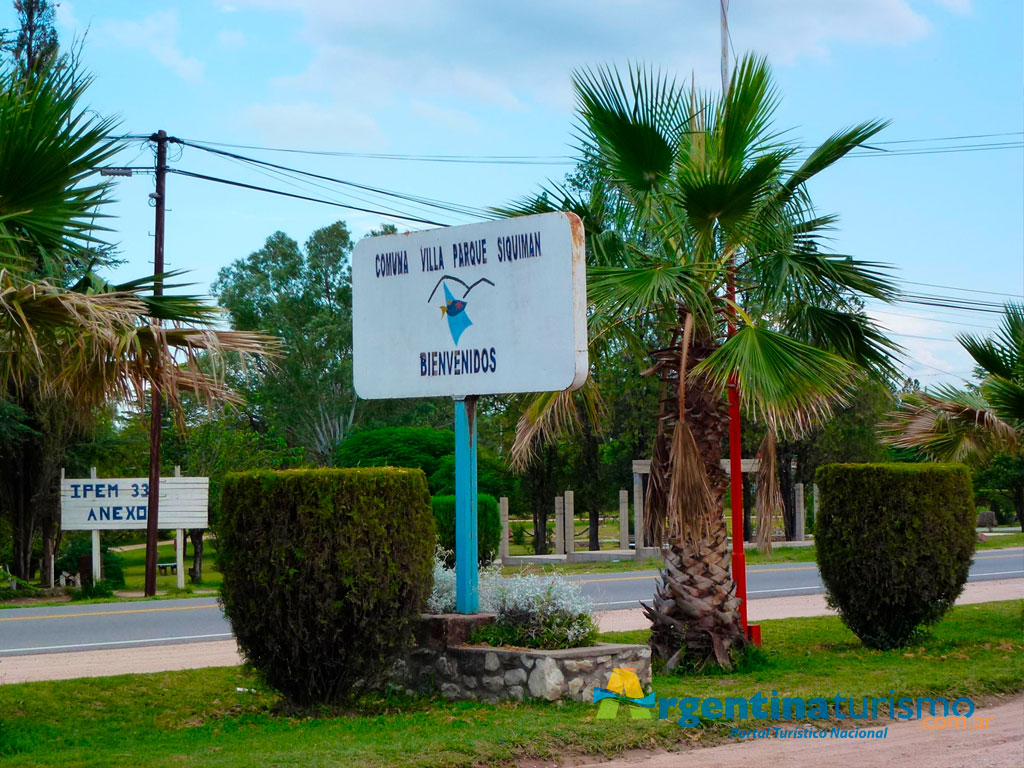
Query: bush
{"x": 488, "y": 525}
{"x": 519, "y": 533}
{"x": 325, "y": 572}
{"x": 894, "y": 543}
{"x": 545, "y": 612}
{"x": 93, "y": 589}
{"x": 75, "y": 546}
{"x": 987, "y": 519}
{"x": 413, "y": 447}
{"x": 493, "y": 477}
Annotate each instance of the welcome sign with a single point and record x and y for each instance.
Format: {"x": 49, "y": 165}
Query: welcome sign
{"x": 118, "y": 504}
{"x": 481, "y": 309}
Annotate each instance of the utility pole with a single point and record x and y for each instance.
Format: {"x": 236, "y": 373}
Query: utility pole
{"x": 724, "y": 4}
{"x": 739, "y": 559}
{"x": 156, "y": 415}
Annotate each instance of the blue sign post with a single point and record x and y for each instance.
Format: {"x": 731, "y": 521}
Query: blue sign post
{"x": 466, "y": 597}
{"x": 494, "y": 308}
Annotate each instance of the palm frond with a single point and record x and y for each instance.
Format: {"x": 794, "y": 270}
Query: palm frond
{"x": 1001, "y": 354}
{"x": 744, "y": 115}
{"x": 549, "y": 415}
{"x": 829, "y": 152}
{"x": 851, "y": 335}
{"x": 949, "y": 425}
{"x": 785, "y": 383}
{"x": 50, "y": 148}
{"x": 634, "y": 128}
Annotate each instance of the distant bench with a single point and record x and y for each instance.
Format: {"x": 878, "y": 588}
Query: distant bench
{"x": 164, "y": 566}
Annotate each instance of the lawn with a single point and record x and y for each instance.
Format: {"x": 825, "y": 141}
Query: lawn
{"x": 201, "y": 717}
{"x": 779, "y": 554}
{"x": 135, "y": 566}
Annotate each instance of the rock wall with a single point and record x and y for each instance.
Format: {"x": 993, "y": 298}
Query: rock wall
{"x": 443, "y": 662}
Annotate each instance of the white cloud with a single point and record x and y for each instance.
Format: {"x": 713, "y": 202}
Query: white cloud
{"x": 959, "y": 7}
{"x": 305, "y": 125}
{"x": 231, "y": 39}
{"x": 516, "y": 55}
{"x": 452, "y": 118}
{"x": 157, "y": 33}
{"x": 931, "y": 353}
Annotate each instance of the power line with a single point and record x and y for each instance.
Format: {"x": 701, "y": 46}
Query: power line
{"x": 931, "y": 319}
{"x": 966, "y": 290}
{"x": 257, "y": 188}
{"x": 571, "y": 160}
{"x": 304, "y": 184}
{"x": 952, "y": 138}
{"x": 442, "y": 205}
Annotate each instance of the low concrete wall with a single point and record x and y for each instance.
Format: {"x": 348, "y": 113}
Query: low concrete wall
{"x": 443, "y": 662}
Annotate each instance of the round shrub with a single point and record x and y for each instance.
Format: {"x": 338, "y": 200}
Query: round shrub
{"x": 894, "y": 543}
{"x": 488, "y": 526}
{"x": 325, "y": 572}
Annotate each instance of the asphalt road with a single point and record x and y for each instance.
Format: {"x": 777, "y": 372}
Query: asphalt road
{"x": 66, "y": 628}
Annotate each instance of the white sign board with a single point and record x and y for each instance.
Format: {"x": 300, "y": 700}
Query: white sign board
{"x": 481, "y": 309}
{"x": 119, "y": 504}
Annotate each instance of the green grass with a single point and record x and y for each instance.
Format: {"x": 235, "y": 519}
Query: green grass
{"x": 1002, "y": 542}
{"x": 199, "y": 717}
{"x": 135, "y": 567}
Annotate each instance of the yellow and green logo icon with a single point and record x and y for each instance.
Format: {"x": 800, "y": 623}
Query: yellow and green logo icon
{"x": 623, "y": 688}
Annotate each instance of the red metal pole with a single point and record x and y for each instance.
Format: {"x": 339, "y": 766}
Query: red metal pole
{"x": 739, "y": 559}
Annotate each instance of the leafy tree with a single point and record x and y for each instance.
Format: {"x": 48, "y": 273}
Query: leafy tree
{"x": 34, "y": 46}
{"x": 1002, "y": 479}
{"x": 70, "y": 343}
{"x": 303, "y": 295}
{"x": 699, "y": 195}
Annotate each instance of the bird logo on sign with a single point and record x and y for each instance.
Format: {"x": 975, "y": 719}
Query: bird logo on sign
{"x": 454, "y": 309}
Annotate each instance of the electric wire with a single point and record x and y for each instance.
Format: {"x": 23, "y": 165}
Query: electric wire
{"x": 243, "y": 185}
{"x": 438, "y": 204}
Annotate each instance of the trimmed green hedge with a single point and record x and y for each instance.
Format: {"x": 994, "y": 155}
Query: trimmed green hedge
{"x": 325, "y": 572}
{"x": 488, "y": 526}
{"x": 894, "y": 543}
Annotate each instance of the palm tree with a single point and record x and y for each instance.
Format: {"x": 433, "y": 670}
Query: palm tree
{"x": 71, "y": 344}
{"x": 699, "y": 197}
{"x": 973, "y": 424}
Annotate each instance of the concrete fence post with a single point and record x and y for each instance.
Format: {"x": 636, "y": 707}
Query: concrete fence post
{"x": 800, "y": 513}
{"x": 97, "y": 559}
{"x": 179, "y": 555}
{"x": 570, "y": 524}
{"x": 638, "y": 510}
{"x": 503, "y": 546}
{"x": 559, "y": 526}
{"x": 624, "y": 519}
{"x": 817, "y": 504}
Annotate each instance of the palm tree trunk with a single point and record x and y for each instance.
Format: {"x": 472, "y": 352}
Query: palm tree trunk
{"x": 695, "y": 614}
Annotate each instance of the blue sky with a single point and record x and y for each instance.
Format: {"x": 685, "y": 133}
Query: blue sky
{"x": 456, "y": 77}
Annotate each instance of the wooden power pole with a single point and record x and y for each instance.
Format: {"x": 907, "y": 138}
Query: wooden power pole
{"x": 156, "y": 408}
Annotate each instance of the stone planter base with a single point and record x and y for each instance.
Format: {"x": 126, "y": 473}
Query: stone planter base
{"x": 442, "y": 662}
